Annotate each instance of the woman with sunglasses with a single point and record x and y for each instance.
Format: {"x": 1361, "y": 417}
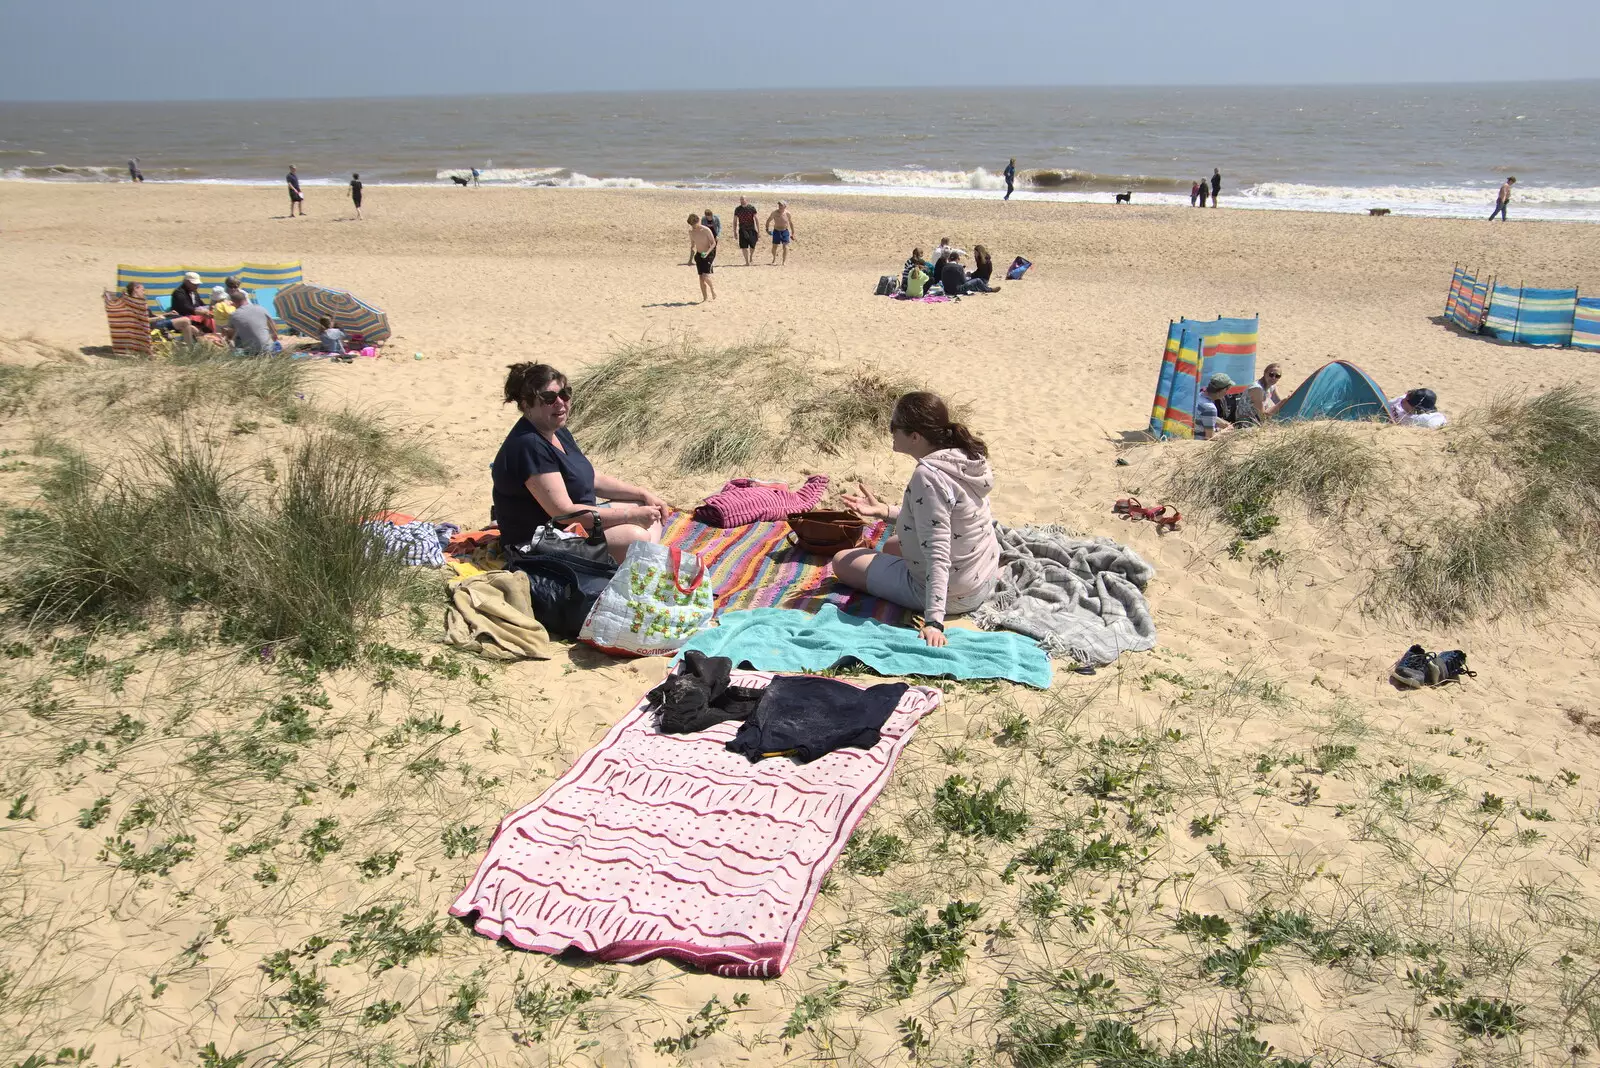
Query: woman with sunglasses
{"x": 943, "y": 557}
{"x": 1264, "y": 394}
{"x": 540, "y": 472}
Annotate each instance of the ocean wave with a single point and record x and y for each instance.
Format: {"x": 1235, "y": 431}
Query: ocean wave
{"x": 574, "y": 180}
{"x": 64, "y": 173}
{"x": 917, "y": 178}
{"x": 1428, "y": 196}
{"x": 499, "y": 174}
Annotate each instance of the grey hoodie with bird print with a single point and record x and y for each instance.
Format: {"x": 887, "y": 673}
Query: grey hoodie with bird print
{"x": 945, "y": 528}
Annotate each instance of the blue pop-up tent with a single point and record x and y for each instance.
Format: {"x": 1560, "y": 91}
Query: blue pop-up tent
{"x": 1337, "y": 390}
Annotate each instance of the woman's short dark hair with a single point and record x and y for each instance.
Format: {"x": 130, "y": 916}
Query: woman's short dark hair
{"x": 927, "y": 414}
{"x": 525, "y": 380}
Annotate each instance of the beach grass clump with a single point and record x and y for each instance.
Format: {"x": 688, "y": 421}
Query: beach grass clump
{"x": 176, "y": 527}
{"x": 1244, "y": 477}
{"x": 204, "y": 375}
{"x": 374, "y": 440}
{"x": 17, "y": 386}
{"x": 1531, "y": 529}
{"x": 726, "y": 407}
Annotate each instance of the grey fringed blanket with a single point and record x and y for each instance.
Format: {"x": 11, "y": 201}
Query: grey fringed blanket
{"x": 1080, "y": 598}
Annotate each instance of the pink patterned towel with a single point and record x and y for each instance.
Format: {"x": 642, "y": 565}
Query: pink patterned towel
{"x": 657, "y": 845}
{"x": 744, "y": 500}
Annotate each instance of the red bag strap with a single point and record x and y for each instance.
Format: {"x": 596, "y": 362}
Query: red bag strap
{"x": 676, "y": 556}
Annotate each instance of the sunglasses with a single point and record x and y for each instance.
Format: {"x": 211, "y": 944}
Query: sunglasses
{"x": 548, "y": 396}
{"x": 1271, "y": 374}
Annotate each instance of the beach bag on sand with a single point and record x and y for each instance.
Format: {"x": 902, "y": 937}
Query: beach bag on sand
{"x": 566, "y": 573}
{"x": 1018, "y": 268}
{"x": 888, "y": 285}
{"x": 654, "y": 603}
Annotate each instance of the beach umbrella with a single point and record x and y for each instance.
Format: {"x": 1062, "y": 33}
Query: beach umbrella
{"x": 301, "y": 305}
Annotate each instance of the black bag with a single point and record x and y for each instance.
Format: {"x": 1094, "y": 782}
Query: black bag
{"x": 565, "y": 574}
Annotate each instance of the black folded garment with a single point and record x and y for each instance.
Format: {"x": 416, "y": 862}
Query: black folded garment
{"x": 806, "y": 717}
{"x": 698, "y": 695}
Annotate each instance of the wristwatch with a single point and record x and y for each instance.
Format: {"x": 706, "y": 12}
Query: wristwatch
{"x": 935, "y": 624}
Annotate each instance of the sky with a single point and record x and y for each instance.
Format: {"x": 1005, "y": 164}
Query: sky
{"x": 116, "y": 50}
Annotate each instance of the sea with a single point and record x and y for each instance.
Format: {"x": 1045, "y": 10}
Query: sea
{"x": 1429, "y": 150}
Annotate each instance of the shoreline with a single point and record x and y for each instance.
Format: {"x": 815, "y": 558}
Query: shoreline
{"x": 1243, "y": 201}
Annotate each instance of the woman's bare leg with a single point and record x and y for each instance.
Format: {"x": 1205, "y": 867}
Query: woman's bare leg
{"x": 618, "y": 538}
{"x": 850, "y": 567}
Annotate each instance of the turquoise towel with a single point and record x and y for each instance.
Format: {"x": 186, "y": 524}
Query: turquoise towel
{"x": 784, "y": 639}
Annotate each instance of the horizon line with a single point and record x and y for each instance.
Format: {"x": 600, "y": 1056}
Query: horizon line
{"x": 1014, "y": 87}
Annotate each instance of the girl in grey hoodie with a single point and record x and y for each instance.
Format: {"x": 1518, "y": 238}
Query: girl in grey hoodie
{"x": 944, "y": 557}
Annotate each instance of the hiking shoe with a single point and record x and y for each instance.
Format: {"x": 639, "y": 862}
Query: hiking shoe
{"x": 1448, "y": 666}
{"x": 1413, "y": 670}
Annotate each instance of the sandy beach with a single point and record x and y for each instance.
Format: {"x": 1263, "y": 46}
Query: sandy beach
{"x": 1056, "y": 372}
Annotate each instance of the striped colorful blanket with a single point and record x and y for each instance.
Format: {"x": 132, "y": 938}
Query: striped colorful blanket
{"x": 656, "y": 845}
{"x": 755, "y": 567}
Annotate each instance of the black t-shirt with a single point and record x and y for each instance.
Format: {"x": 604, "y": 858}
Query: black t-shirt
{"x": 355, "y": 190}
{"x": 526, "y": 453}
{"x": 184, "y": 302}
{"x": 745, "y": 216}
{"x": 952, "y": 277}
{"x": 293, "y": 180}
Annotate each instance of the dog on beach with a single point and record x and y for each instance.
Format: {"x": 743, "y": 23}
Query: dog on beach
{"x": 1377, "y": 211}
{"x": 462, "y": 182}
{"x": 1125, "y": 198}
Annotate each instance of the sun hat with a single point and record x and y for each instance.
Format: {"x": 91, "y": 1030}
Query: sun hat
{"x": 192, "y": 277}
{"x": 1422, "y": 400}
{"x": 1219, "y": 381}
{"x": 218, "y": 291}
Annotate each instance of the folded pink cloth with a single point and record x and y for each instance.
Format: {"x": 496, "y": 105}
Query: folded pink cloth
{"x": 744, "y": 501}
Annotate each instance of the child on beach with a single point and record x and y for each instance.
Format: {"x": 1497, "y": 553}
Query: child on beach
{"x": 944, "y": 557}
{"x": 331, "y": 339}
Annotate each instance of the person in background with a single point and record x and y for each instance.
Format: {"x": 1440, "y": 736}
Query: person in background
{"x": 331, "y": 339}
{"x": 1263, "y": 395}
{"x": 540, "y": 472}
{"x": 982, "y": 265}
{"x": 1216, "y": 186}
{"x": 1502, "y": 199}
{"x": 221, "y": 308}
{"x": 1204, "y": 189}
{"x": 250, "y": 328}
{"x": 744, "y": 219}
{"x": 166, "y": 322}
{"x": 915, "y": 282}
{"x": 474, "y": 176}
{"x": 702, "y": 253}
{"x": 780, "y": 225}
{"x": 709, "y": 220}
{"x": 1011, "y": 177}
{"x": 944, "y": 557}
{"x": 953, "y": 276}
{"x": 296, "y": 198}
{"x": 945, "y": 248}
{"x": 134, "y": 173}
{"x": 1194, "y": 193}
{"x": 905, "y": 272}
{"x": 188, "y": 306}
{"x": 1207, "y": 422}
{"x": 355, "y": 192}
{"x": 1418, "y": 407}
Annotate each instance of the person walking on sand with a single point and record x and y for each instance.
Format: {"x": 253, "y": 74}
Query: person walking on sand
{"x": 474, "y": 176}
{"x": 296, "y": 199}
{"x": 134, "y": 173}
{"x": 708, "y": 218}
{"x": 1204, "y": 189}
{"x": 1502, "y": 200}
{"x": 744, "y": 220}
{"x": 1216, "y": 186}
{"x": 781, "y": 226}
{"x": 702, "y": 251}
{"x": 355, "y": 192}
{"x": 1011, "y": 177}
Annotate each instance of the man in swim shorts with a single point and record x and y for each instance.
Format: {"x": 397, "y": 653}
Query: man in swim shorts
{"x": 702, "y": 251}
{"x": 781, "y": 226}
{"x": 744, "y": 217}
